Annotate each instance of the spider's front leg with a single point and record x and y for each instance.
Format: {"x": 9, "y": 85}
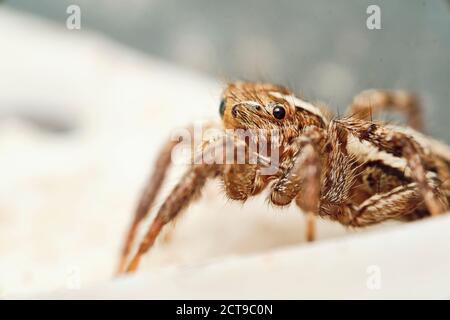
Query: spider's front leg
{"x": 186, "y": 191}
{"x": 147, "y": 198}
{"x": 150, "y": 192}
{"x": 302, "y": 178}
{"x": 374, "y": 101}
{"x": 209, "y": 163}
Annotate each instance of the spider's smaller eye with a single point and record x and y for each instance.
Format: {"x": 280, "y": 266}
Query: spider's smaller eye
{"x": 279, "y": 112}
{"x": 222, "y": 107}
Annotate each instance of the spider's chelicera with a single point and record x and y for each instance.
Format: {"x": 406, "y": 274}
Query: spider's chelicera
{"x": 352, "y": 170}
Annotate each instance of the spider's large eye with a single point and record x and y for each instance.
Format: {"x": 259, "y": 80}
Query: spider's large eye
{"x": 279, "y": 112}
{"x": 222, "y": 107}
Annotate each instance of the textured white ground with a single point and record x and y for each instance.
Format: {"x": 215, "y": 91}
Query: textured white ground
{"x": 66, "y": 199}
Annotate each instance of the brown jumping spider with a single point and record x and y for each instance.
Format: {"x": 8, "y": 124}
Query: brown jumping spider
{"x": 352, "y": 169}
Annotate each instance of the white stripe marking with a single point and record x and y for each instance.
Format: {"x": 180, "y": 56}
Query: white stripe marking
{"x": 299, "y": 103}
{"x": 250, "y": 103}
{"x": 364, "y": 151}
{"x": 428, "y": 144}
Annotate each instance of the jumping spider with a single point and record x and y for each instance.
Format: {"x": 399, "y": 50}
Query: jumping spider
{"x": 351, "y": 169}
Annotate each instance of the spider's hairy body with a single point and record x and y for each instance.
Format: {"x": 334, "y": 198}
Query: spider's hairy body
{"x": 352, "y": 170}
{"x": 377, "y": 167}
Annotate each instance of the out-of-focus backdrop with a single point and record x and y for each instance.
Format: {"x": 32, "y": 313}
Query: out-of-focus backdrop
{"x": 83, "y": 113}
{"x": 320, "y": 48}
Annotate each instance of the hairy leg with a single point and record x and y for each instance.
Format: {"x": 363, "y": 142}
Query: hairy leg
{"x": 301, "y": 180}
{"x": 433, "y": 196}
{"x": 150, "y": 192}
{"x": 373, "y": 101}
{"x": 208, "y": 163}
{"x": 401, "y": 147}
{"x": 147, "y": 198}
{"x": 397, "y": 203}
{"x": 181, "y": 196}
{"x": 309, "y": 200}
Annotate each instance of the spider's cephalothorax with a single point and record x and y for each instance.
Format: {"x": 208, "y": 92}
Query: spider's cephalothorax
{"x": 266, "y": 106}
{"x": 351, "y": 170}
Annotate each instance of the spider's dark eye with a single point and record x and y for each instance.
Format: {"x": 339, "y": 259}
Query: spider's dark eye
{"x": 222, "y": 107}
{"x": 279, "y": 112}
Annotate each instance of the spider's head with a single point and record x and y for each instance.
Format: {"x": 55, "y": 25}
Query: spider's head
{"x": 247, "y": 105}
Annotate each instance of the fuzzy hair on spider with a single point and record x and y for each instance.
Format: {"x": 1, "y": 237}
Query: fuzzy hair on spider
{"x": 352, "y": 170}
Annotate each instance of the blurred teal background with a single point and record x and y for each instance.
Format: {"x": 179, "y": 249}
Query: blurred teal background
{"x": 320, "y": 48}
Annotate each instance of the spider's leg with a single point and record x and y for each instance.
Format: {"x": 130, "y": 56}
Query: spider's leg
{"x": 149, "y": 194}
{"x": 309, "y": 200}
{"x": 301, "y": 179}
{"x": 208, "y": 163}
{"x": 373, "y": 101}
{"x": 399, "y": 202}
{"x": 147, "y": 198}
{"x": 401, "y": 147}
{"x": 186, "y": 191}
{"x": 433, "y": 196}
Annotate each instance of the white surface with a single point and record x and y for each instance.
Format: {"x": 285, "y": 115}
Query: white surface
{"x": 409, "y": 262}
{"x": 66, "y": 200}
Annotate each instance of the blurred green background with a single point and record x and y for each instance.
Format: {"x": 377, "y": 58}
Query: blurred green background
{"x": 320, "y": 48}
